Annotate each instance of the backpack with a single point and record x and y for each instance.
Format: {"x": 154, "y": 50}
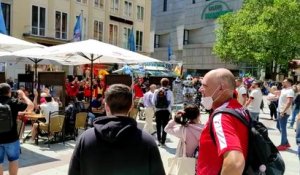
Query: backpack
{"x": 161, "y": 99}
{"x": 263, "y": 156}
{"x": 6, "y": 119}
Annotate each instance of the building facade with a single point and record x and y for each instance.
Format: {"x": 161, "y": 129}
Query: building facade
{"x": 51, "y": 22}
{"x": 186, "y": 29}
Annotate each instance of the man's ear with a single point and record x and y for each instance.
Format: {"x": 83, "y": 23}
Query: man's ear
{"x": 107, "y": 109}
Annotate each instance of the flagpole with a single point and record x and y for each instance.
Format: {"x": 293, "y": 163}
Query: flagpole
{"x": 81, "y": 25}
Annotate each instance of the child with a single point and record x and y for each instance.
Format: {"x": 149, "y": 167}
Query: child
{"x": 189, "y": 119}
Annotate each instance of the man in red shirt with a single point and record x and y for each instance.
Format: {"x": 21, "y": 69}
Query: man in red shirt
{"x": 228, "y": 153}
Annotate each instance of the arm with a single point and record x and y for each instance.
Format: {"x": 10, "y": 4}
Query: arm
{"x": 287, "y": 106}
{"x": 248, "y": 101}
{"x": 27, "y": 101}
{"x": 233, "y": 163}
{"x": 173, "y": 129}
{"x": 74, "y": 167}
{"x": 230, "y": 134}
{"x": 156, "y": 165}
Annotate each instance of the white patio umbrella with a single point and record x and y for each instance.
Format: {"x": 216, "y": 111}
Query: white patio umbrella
{"x": 11, "y": 44}
{"x": 87, "y": 52}
{"x": 13, "y": 57}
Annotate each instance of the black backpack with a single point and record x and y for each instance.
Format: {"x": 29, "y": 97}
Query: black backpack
{"x": 262, "y": 153}
{"x": 161, "y": 99}
{"x": 6, "y": 119}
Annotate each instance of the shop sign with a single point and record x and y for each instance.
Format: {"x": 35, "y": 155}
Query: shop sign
{"x": 215, "y": 9}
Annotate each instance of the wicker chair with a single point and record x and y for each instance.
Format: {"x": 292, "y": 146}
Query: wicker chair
{"x": 80, "y": 122}
{"x": 55, "y": 126}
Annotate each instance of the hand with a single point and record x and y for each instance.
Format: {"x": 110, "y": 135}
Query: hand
{"x": 35, "y": 92}
{"x": 281, "y": 114}
{"x": 179, "y": 113}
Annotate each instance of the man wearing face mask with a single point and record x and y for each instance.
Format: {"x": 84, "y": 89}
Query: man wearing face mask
{"x": 228, "y": 153}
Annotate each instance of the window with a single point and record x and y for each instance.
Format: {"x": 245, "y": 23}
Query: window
{"x": 98, "y": 30}
{"x": 156, "y": 41}
{"x": 99, "y": 3}
{"x": 114, "y": 5}
{"x": 127, "y": 8}
{"x": 140, "y": 13}
{"x": 126, "y": 34}
{"x": 165, "y": 5}
{"x": 139, "y": 40}
{"x": 113, "y": 34}
{"x": 6, "y": 16}
{"x": 38, "y": 20}
{"x": 61, "y": 25}
{"x": 186, "y": 37}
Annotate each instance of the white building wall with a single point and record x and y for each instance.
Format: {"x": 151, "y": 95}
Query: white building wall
{"x": 183, "y": 15}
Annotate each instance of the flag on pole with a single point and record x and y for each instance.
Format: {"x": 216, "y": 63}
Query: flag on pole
{"x": 77, "y": 36}
{"x": 170, "y": 51}
{"x": 131, "y": 43}
{"x": 2, "y": 22}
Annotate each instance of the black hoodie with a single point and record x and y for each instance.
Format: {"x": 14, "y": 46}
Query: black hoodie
{"x": 115, "y": 146}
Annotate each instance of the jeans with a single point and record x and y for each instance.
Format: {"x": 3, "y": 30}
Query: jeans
{"x": 12, "y": 150}
{"x": 162, "y": 119}
{"x": 294, "y": 114}
{"x": 282, "y": 121}
{"x": 91, "y": 118}
{"x": 254, "y": 116}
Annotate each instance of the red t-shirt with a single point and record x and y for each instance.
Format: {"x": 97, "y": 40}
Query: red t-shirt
{"x": 138, "y": 91}
{"x": 230, "y": 134}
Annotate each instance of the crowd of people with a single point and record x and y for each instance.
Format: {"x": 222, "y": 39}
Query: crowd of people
{"x": 114, "y": 140}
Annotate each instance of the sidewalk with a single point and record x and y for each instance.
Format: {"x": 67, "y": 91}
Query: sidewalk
{"x": 41, "y": 160}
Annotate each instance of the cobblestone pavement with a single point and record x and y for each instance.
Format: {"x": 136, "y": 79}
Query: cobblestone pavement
{"x": 41, "y": 160}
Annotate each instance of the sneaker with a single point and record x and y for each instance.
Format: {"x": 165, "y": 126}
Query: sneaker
{"x": 287, "y": 145}
{"x": 282, "y": 148}
{"x": 30, "y": 141}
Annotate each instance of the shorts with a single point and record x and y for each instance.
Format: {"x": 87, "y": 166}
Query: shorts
{"x": 12, "y": 151}
{"x": 43, "y": 126}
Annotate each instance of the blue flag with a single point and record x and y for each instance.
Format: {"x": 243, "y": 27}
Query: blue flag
{"x": 77, "y": 36}
{"x": 170, "y": 52}
{"x": 131, "y": 43}
{"x": 2, "y": 22}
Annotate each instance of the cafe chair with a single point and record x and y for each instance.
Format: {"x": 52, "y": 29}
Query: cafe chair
{"x": 55, "y": 127}
{"x": 80, "y": 122}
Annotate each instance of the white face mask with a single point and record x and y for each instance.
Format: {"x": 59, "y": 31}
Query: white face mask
{"x": 207, "y": 102}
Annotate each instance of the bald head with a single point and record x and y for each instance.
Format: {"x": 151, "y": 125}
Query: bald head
{"x": 222, "y": 76}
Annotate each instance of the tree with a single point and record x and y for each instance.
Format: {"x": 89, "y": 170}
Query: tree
{"x": 265, "y": 32}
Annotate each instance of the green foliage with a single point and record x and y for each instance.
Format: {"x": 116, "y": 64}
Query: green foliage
{"x": 262, "y": 32}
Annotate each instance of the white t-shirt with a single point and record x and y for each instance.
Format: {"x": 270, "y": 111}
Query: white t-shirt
{"x": 284, "y": 95}
{"x": 46, "y": 108}
{"x": 241, "y": 90}
{"x": 257, "y": 96}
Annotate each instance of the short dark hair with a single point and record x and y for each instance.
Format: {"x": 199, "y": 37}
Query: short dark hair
{"x": 119, "y": 99}
{"x": 289, "y": 80}
{"x": 5, "y": 89}
{"x": 258, "y": 83}
{"x": 48, "y": 99}
{"x": 164, "y": 82}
